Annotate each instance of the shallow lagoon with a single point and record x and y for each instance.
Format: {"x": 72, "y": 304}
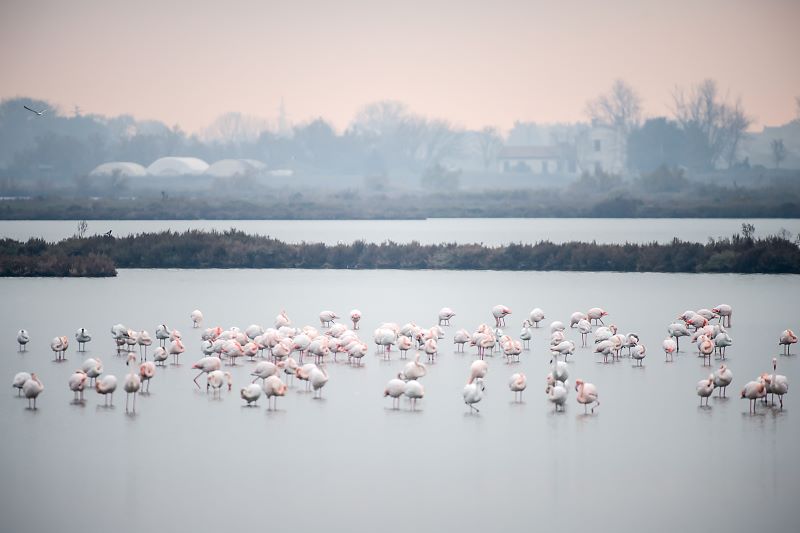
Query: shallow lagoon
{"x": 650, "y": 455}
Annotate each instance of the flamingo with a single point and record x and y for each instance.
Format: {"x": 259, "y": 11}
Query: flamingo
{"x": 92, "y": 367}
{"x": 358, "y": 350}
{"x": 77, "y": 382}
{"x": 753, "y": 390}
{"x": 414, "y": 390}
{"x": 525, "y": 334}
{"x": 677, "y": 330}
{"x": 251, "y": 393}
{"x": 697, "y": 321}
{"x": 318, "y": 379}
{"x": 512, "y": 349}
{"x": 253, "y": 330}
{"x": 473, "y": 393}
{"x": 273, "y": 387}
{"x": 722, "y": 378}
{"x": 355, "y": 317}
{"x": 146, "y": 372}
{"x": 23, "y": 339}
{"x": 576, "y": 317}
{"x": 144, "y": 340}
{"x": 385, "y": 337}
{"x": 303, "y": 373}
{"x": 413, "y": 370}
{"x": 326, "y": 318}
{"x": 724, "y": 311}
{"x": 59, "y": 346}
{"x": 132, "y": 382}
{"x": 557, "y": 325}
{"x": 106, "y": 386}
{"x": 232, "y": 349}
{"x": 250, "y": 350}
{"x": 560, "y": 371}
{"x": 404, "y": 344}
{"x": 706, "y": 347}
{"x": 82, "y": 336}
{"x": 197, "y": 318}
{"x": 160, "y": 355}
{"x": 556, "y": 393}
{"x": 596, "y": 314}
{"x": 705, "y": 387}
{"x": 19, "y": 380}
{"x": 460, "y": 338}
{"x": 282, "y": 320}
{"x": 290, "y": 367}
{"x": 721, "y": 343}
{"x": 264, "y": 369}
{"x": 395, "y": 388}
{"x": 670, "y": 346}
{"x": 216, "y": 379}
{"x": 500, "y": 312}
{"x": 787, "y": 339}
{"x": 205, "y": 365}
{"x": 639, "y": 353}
{"x": 777, "y": 383}
{"x": 445, "y": 314}
{"x": 565, "y": 348}
{"x": 708, "y": 314}
{"x": 175, "y": 335}
{"x": 536, "y": 316}
{"x": 478, "y": 369}
{"x": 162, "y": 334}
{"x": 32, "y": 388}
{"x": 585, "y": 327}
{"x": 430, "y": 348}
{"x": 517, "y": 384}
{"x": 175, "y": 349}
{"x": 605, "y": 348}
{"x": 587, "y": 394}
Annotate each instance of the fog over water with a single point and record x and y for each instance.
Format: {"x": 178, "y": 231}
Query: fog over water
{"x": 649, "y": 455}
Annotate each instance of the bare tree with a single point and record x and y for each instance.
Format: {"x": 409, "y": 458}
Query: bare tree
{"x": 487, "y": 143}
{"x": 710, "y": 119}
{"x": 621, "y": 110}
{"x": 234, "y": 127}
{"x": 778, "y": 151}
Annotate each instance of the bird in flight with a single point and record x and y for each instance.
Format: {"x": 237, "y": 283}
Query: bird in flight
{"x": 39, "y": 113}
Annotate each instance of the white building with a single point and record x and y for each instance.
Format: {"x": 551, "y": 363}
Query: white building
{"x": 556, "y": 159}
{"x": 177, "y": 166}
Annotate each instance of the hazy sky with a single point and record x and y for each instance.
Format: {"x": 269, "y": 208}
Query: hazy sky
{"x": 472, "y": 62}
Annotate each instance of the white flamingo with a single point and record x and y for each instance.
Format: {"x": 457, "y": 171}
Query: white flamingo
{"x": 786, "y": 340}
{"x": 576, "y": 317}
{"x": 777, "y": 383}
{"x": 705, "y": 387}
{"x": 82, "y": 337}
{"x": 318, "y": 379}
{"x": 19, "y": 380}
{"x": 197, "y": 318}
{"x": 722, "y": 378}
{"x": 251, "y": 393}
{"x": 77, "y": 383}
{"x": 596, "y": 314}
{"x": 517, "y": 384}
{"x": 59, "y": 346}
{"x": 273, "y": 388}
{"x": 473, "y": 393}
{"x": 753, "y": 391}
{"x": 32, "y": 388}
{"x": 206, "y": 365}
{"x": 216, "y": 379}
{"x": 414, "y": 369}
{"x": 355, "y": 317}
{"x": 445, "y": 314}
{"x": 394, "y": 389}
{"x": 132, "y": 382}
{"x": 460, "y": 338}
{"x": 536, "y": 316}
{"x": 670, "y": 347}
{"x": 93, "y": 367}
{"x": 326, "y": 318}
{"x": 414, "y": 391}
{"x": 106, "y": 386}
{"x": 556, "y": 393}
{"x": 725, "y": 312}
{"x": 23, "y": 338}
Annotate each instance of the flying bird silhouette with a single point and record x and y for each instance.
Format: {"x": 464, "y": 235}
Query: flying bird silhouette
{"x": 39, "y": 113}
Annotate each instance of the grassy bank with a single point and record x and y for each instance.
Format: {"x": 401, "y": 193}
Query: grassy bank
{"x": 99, "y": 256}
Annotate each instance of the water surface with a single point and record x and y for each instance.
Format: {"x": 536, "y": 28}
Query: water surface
{"x": 650, "y": 455}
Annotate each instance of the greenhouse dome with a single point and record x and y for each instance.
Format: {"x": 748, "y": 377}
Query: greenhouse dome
{"x": 177, "y": 166}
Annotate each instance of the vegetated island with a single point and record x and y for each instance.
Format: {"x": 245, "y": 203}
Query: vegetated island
{"x": 100, "y": 256}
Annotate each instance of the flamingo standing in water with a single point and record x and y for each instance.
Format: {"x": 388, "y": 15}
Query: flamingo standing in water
{"x": 460, "y": 338}
{"x": 473, "y": 393}
{"x": 160, "y": 355}
{"x": 162, "y": 334}
{"x": 143, "y": 340}
{"x": 414, "y": 391}
{"x": 273, "y": 387}
{"x": 19, "y": 380}
{"x": 478, "y": 369}
{"x": 706, "y": 347}
{"x": 576, "y": 317}
{"x": 445, "y": 314}
{"x": 175, "y": 349}
{"x": 753, "y": 390}
{"x": 525, "y": 334}
{"x": 59, "y": 346}
{"x": 517, "y": 384}
{"x": 251, "y": 393}
{"x": 638, "y": 353}
{"x": 556, "y": 393}
{"x": 106, "y": 386}
{"x": 197, "y": 318}
{"x": 318, "y": 379}
{"x": 705, "y": 387}
{"x": 431, "y": 348}
{"x": 404, "y": 344}
{"x": 132, "y": 382}
{"x": 721, "y": 342}
{"x": 147, "y": 370}
{"x": 206, "y": 365}
{"x": 587, "y": 394}
{"x": 355, "y": 316}
{"x": 536, "y": 316}
{"x": 395, "y": 388}
{"x": 413, "y": 369}
{"x": 77, "y": 383}
{"x": 670, "y": 347}
{"x": 23, "y": 339}
{"x": 596, "y": 314}
{"x": 326, "y": 318}
{"x": 216, "y": 379}
{"x": 585, "y": 327}
{"x": 787, "y": 339}
{"x": 724, "y": 311}
{"x": 32, "y": 388}
{"x": 82, "y": 336}
{"x": 282, "y": 320}
{"x": 676, "y": 331}
{"x": 777, "y": 383}
{"x": 500, "y": 312}
{"x": 92, "y": 368}
{"x": 722, "y": 378}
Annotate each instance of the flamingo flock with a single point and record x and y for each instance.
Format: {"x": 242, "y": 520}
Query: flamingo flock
{"x": 280, "y": 352}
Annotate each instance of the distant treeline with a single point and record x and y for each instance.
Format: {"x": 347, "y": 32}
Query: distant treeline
{"x": 98, "y": 256}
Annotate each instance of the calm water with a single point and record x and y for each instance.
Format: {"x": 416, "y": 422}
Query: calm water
{"x": 649, "y": 456}
{"x": 491, "y": 231}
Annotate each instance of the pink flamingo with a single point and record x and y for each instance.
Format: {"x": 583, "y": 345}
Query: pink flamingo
{"x": 587, "y": 394}
{"x": 500, "y": 312}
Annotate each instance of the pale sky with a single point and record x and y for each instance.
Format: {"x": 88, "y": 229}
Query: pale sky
{"x": 474, "y": 63}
